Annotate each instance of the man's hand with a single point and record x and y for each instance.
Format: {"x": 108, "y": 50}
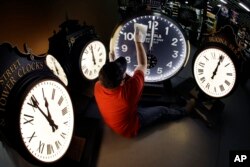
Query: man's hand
{"x": 140, "y": 32}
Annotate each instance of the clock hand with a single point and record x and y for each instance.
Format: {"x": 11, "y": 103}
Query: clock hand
{"x": 93, "y": 56}
{"x": 152, "y": 37}
{"x": 51, "y": 121}
{"x": 215, "y": 71}
{"x": 57, "y": 71}
{"x": 35, "y": 104}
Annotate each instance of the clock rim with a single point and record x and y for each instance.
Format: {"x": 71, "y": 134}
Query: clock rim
{"x": 230, "y": 54}
{"x": 118, "y": 27}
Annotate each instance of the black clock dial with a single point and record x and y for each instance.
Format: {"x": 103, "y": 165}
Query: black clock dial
{"x": 165, "y": 42}
{"x": 152, "y": 61}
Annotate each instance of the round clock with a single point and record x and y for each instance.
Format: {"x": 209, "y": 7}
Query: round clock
{"x": 166, "y": 46}
{"x": 45, "y": 119}
{"x": 92, "y": 58}
{"x": 56, "y": 68}
{"x": 215, "y": 71}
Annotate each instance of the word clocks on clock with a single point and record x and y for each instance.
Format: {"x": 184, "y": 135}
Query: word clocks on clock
{"x": 214, "y": 71}
{"x": 166, "y": 46}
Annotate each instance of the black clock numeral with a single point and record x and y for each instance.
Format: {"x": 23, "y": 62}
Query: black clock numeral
{"x": 215, "y": 89}
{"x": 86, "y": 71}
{"x": 40, "y": 147}
{"x": 227, "y": 64}
{"x": 63, "y": 135}
{"x": 222, "y": 88}
{"x": 50, "y": 149}
{"x": 28, "y": 119}
{"x": 203, "y": 79}
{"x": 64, "y": 111}
{"x": 32, "y": 136}
{"x": 58, "y": 144}
{"x": 95, "y": 71}
{"x": 227, "y": 83}
{"x": 213, "y": 55}
{"x": 60, "y": 101}
{"x": 100, "y": 60}
{"x": 208, "y": 85}
{"x": 201, "y": 64}
{"x": 53, "y": 93}
{"x": 206, "y": 58}
{"x": 200, "y": 71}
{"x": 229, "y": 74}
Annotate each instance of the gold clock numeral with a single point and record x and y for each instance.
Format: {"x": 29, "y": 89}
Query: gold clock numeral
{"x": 201, "y": 64}
{"x": 58, "y": 144}
{"x": 32, "y": 136}
{"x": 222, "y": 88}
{"x": 227, "y": 83}
{"x": 28, "y": 119}
{"x": 200, "y": 71}
{"x": 208, "y": 85}
{"x": 40, "y": 147}
{"x": 206, "y": 58}
{"x": 60, "y": 101}
{"x": 203, "y": 79}
{"x": 53, "y": 93}
{"x": 63, "y": 135}
{"x": 213, "y": 55}
{"x": 50, "y": 149}
{"x": 64, "y": 111}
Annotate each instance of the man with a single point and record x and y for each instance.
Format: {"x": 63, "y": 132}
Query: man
{"x": 118, "y": 99}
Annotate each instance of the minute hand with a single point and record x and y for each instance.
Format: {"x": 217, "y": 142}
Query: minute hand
{"x": 36, "y": 105}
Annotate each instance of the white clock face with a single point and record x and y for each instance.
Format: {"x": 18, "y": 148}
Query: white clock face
{"x": 92, "y": 59}
{"x": 47, "y": 121}
{"x": 57, "y": 69}
{"x": 214, "y": 72}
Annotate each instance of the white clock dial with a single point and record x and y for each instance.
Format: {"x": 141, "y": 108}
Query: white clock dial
{"x": 47, "y": 121}
{"x": 57, "y": 69}
{"x": 92, "y": 58}
{"x": 214, "y": 72}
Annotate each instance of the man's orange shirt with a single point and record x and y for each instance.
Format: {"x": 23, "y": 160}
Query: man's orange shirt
{"x": 118, "y": 106}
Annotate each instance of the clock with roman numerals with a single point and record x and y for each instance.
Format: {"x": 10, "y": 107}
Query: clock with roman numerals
{"x": 43, "y": 129}
{"x": 215, "y": 71}
{"x": 92, "y": 58}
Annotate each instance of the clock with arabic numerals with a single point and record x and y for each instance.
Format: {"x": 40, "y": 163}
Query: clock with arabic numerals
{"x": 166, "y": 46}
{"x": 42, "y": 127}
{"x": 215, "y": 70}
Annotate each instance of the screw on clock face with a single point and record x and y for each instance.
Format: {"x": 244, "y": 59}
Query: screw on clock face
{"x": 218, "y": 64}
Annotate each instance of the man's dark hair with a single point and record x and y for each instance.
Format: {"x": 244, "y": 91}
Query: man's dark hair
{"x": 111, "y": 74}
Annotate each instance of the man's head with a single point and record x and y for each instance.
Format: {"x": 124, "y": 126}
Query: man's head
{"x": 112, "y": 73}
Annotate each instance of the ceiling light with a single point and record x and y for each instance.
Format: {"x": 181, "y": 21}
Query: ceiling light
{"x": 244, "y": 6}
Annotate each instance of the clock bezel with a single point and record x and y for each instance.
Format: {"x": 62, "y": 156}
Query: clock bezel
{"x": 119, "y": 26}
{"x": 230, "y": 54}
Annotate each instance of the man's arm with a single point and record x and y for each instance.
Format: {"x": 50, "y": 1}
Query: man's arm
{"x": 139, "y": 38}
{"x": 141, "y": 57}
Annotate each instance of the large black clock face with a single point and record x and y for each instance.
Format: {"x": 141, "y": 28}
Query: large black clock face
{"x": 166, "y": 46}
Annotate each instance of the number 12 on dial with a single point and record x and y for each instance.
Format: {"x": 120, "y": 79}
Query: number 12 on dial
{"x": 214, "y": 72}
